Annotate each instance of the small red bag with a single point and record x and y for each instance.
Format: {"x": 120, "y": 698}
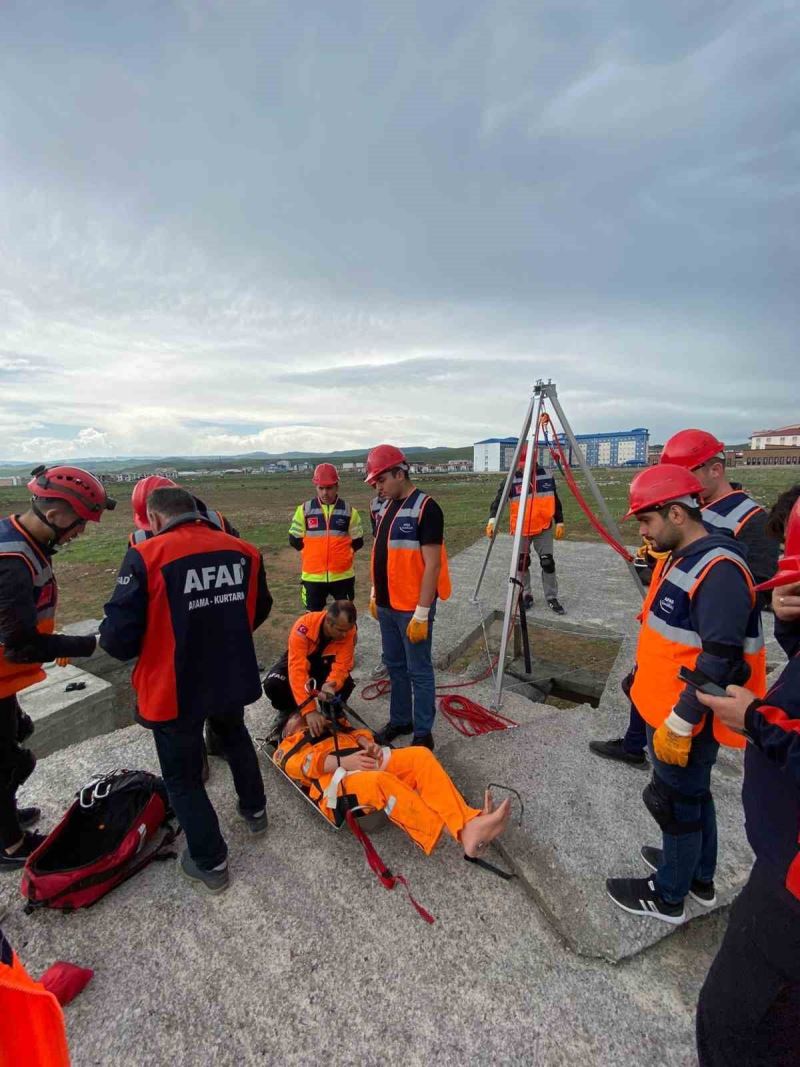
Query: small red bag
{"x": 65, "y": 980}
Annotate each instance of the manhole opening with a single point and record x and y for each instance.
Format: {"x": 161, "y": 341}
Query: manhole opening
{"x": 567, "y": 668}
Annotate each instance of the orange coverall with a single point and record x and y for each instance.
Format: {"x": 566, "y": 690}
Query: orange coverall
{"x": 411, "y": 788}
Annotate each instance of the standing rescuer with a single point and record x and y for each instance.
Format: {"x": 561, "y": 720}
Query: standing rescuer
{"x": 327, "y": 531}
{"x": 700, "y": 614}
{"x": 544, "y": 520}
{"x": 186, "y": 603}
{"x": 409, "y": 572}
{"x": 725, "y": 510}
{"x": 749, "y": 1007}
{"x": 63, "y": 500}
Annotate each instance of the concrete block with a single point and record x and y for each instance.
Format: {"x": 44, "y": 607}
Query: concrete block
{"x": 63, "y": 718}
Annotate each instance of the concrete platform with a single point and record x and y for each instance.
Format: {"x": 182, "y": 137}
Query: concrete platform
{"x": 307, "y": 957}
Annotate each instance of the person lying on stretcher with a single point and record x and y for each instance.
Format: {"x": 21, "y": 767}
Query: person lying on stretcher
{"x": 408, "y": 784}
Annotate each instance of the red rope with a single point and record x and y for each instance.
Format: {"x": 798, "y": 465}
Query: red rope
{"x": 557, "y": 452}
{"x": 471, "y": 719}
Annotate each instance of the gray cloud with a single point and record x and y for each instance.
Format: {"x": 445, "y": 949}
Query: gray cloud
{"x": 254, "y": 223}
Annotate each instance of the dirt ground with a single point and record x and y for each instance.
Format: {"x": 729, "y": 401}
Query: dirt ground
{"x": 261, "y": 508}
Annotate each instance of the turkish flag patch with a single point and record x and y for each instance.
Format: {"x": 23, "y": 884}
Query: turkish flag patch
{"x": 312, "y": 522}
{"x": 301, "y": 629}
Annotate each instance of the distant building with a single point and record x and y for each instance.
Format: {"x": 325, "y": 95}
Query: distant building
{"x": 10, "y": 481}
{"x": 780, "y": 438}
{"x": 618, "y": 448}
{"x": 493, "y": 454}
{"x": 459, "y": 464}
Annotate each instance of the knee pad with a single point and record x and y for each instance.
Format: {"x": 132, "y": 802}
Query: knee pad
{"x": 659, "y": 799}
{"x": 547, "y": 563}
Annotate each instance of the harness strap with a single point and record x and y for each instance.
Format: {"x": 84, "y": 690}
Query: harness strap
{"x": 506, "y": 875}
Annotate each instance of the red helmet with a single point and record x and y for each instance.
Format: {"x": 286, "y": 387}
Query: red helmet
{"x": 789, "y": 563}
{"x": 141, "y": 491}
{"x": 84, "y": 493}
{"x": 666, "y": 482}
{"x": 325, "y": 474}
{"x": 383, "y": 458}
{"x": 691, "y": 448}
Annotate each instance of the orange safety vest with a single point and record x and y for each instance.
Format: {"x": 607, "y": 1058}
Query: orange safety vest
{"x": 16, "y": 542}
{"x": 327, "y": 544}
{"x": 302, "y": 757}
{"x": 668, "y": 640}
{"x": 405, "y": 565}
{"x": 540, "y": 507}
{"x": 32, "y": 1030}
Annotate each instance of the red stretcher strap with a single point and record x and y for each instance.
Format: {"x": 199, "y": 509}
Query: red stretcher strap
{"x": 385, "y": 876}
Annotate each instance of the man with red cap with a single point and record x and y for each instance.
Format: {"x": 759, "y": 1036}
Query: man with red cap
{"x": 63, "y": 500}
{"x": 725, "y": 510}
{"x": 749, "y": 1006}
{"x": 409, "y": 573}
{"x": 327, "y": 531}
{"x": 725, "y": 506}
{"x": 700, "y": 615}
{"x": 142, "y": 490}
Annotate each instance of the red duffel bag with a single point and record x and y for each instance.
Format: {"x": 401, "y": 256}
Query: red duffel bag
{"x": 118, "y": 824}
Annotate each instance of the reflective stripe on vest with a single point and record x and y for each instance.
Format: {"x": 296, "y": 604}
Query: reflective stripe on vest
{"x": 405, "y": 563}
{"x": 540, "y": 507}
{"x": 730, "y": 512}
{"x": 14, "y": 542}
{"x": 327, "y": 554}
{"x": 668, "y": 640}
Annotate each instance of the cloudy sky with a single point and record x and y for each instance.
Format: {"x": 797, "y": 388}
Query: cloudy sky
{"x": 228, "y": 226}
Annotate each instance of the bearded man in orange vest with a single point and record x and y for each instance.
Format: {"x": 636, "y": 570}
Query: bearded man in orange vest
{"x": 701, "y": 616}
{"x": 544, "y": 520}
{"x": 409, "y": 574}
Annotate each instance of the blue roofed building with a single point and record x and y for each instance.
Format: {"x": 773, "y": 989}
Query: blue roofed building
{"x": 617, "y": 448}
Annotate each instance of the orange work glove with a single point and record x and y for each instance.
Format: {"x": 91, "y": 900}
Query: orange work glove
{"x": 490, "y": 527}
{"x": 62, "y": 661}
{"x": 672, "y": 741}
{"x": 559, "y": 534}
{"x": 417, "y": 629}
{"x": 373, "y": 607}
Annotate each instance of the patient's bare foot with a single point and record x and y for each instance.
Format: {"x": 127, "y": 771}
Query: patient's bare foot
{"x": 484, "y": 828}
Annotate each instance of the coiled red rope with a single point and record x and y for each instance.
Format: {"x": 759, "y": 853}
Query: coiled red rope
{"x": 467, "y": 716}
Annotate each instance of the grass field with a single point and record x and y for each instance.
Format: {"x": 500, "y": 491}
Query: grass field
{"x": 261, "y": 508}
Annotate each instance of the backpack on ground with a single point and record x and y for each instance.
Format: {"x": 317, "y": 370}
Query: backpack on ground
{"x": 119, "y": 823}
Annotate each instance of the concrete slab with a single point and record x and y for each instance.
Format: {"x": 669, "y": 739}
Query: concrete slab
{"x": 306, "y": 957}
{"x": 62, "y": 718}
{"x": 585, "y": 821}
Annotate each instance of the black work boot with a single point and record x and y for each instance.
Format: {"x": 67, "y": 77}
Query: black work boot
{"x": 555, "y": 605}
{"x": 28, "y": 817}
{"x": 14, "y": 861}
{"x": 615, "y": 749}
{"x": 389, "y": 732}
{"x": 423, "y": 740}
